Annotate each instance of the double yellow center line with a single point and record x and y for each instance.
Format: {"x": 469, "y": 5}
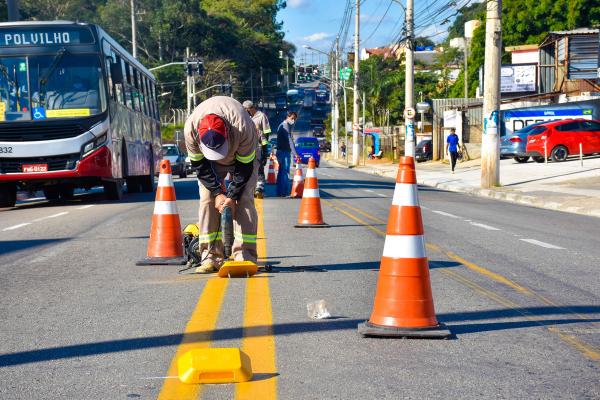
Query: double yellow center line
{"x": 258, "y": 341}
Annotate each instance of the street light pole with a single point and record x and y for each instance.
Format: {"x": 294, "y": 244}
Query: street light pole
{"x": 13, "y": 10}
{"x": 355, "y": 141}
{"x": 409, "y": 139}
{"x": 133, "y": 30}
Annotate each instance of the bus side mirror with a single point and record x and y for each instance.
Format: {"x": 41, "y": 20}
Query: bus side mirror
{"x": 116, "y": 73}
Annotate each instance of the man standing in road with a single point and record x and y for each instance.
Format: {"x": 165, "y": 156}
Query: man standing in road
{"x": 264, "y": 130}
{"x": 285, "y": 147}
{"x": 452, "y": 147}
{"x": 221, "y": 138}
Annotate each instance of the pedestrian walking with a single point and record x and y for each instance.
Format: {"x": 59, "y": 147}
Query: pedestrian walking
{"x": 285, "y": 148}
{"x": 264, "y": 130}
{"x": 343, "y": 149}
{"x": 452, "y": 147}
{"x": 221, "y": 139}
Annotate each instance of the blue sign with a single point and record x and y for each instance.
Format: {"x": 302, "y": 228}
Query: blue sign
{"x": 38, "y": 113}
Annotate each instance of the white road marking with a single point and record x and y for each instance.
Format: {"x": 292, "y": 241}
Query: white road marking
{"x": 542, "y": 244}
{"x": 368, "y": 190}
{"x": 84, "y": 207}
{"x": 381, "y": 195}
{"x": 445, "y": 214}
{"x": 484, "y": 226}
{"x": 51, "y": 216}
{"x": 10, "y": 228}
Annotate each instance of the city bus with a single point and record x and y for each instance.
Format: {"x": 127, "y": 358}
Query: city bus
{"x": 76, "y": 111}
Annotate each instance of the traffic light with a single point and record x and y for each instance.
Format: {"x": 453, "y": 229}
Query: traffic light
{"x": 189, "y": 68}
{"x": 200, "y": 67}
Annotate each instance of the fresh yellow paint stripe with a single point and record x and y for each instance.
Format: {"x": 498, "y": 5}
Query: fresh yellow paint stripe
{"x": 197, "y": 335}
{"x": 259, "y": 342}
{"x": 587, "y": 350}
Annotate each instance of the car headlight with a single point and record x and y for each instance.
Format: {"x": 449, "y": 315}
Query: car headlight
{"x": 94, "y": 144}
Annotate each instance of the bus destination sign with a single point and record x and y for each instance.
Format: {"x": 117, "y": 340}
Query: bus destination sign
{"x": 44, "y": 37}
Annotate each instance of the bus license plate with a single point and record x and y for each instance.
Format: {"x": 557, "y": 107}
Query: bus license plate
{"x": 35, "y": 167}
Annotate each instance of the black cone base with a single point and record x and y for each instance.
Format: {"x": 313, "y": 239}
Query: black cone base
{"x": 439, "y": 331}
{"x": 162, "y": 261}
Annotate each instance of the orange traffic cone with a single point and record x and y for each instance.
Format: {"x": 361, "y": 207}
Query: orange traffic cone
{"x": 275, "y": 163}
{"x": 298, "y": 185}
{"x": 310, "y": 215}
{"x": 403, "y": 301}
{"x": 165, "y": 246}
{"x": 271, "y": 179}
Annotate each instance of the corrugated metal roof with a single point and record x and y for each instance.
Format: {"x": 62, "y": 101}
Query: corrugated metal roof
{"x": 578, "y": 31}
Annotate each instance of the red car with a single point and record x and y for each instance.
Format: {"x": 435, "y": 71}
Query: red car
{"x": 562, "y": 139}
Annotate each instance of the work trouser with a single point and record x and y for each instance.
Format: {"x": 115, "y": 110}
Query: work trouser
{"x": 283, "y": 178}
{"x": 453, "y": 158}
{"x": 245, "y": 221}
{"x": 260, "y": 184}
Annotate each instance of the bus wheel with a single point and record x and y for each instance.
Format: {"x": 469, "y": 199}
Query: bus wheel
{"x": 8, "y": 194}
{"x": 114, "y": 189}
{"x": 133, "y": 184}
{"x": 67, "y": 192}
{"x": 148, "y": 180}
{"x": 52, "y": 193}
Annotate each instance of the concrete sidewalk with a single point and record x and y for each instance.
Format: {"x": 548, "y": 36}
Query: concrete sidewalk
{"x": 565, "y": 186}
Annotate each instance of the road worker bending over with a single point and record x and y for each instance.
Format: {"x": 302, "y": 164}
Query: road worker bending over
{"x": 221, "y": 138}
{"x": 264, "y": 130}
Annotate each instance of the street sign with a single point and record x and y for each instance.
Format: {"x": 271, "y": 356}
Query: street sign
{"x": 345, "y": 73}
{"x": 409, "y": 113}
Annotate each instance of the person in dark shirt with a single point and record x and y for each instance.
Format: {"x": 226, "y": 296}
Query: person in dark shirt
{"x": 452, "y": 147}
{"x": 285, "y": 148}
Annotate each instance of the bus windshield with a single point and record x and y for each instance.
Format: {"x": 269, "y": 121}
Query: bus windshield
{"x": 42, "y": 87}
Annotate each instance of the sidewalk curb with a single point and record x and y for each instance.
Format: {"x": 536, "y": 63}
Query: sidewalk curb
{"x": 511, "y": 197}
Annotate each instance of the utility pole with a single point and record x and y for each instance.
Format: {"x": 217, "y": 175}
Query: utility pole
{"x": 133, "y": 30}
{"x": 409, "y": 139}
{"x": 188, "y": 80}
{"x": 13, "y": 10}
{"x": 287, "y": 71}
{"x": 262, "y": 89}
{"x": 251, "y": 87}
{"x": 490, "y": 146}
{"x": 335, "y": 101}
{"x": 466, "y": 41}
{"x": 355, "y": 111}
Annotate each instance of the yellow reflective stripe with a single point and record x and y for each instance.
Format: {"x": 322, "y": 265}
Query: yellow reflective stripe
{"x": 209, "y": 237}
{"x": 246, "y": 159}
{"x": 265, "y": 142}
{"x": 245, "y": 238}
{"x": 196, "y": 157}
{"x": 267, "y": 131}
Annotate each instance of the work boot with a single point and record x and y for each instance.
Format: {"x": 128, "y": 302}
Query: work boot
{"x": 259, "y": 195}
{"x": 207, "y": 267}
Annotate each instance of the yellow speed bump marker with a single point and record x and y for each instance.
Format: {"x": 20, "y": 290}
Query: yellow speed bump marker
{"x": 214, "y": 366}
{"x": 238, "y": 269}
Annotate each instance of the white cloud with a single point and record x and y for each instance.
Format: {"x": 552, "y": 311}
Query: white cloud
{"x": 296, "y": 3}
{"x": 317, "y": 37}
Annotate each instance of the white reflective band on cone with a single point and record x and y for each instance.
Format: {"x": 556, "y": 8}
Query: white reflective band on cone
{"x": 310, "y": 193}
{"x": 297, "y": 178}
{"x": 310, "y": 173}
{"x": 405, "y": 194}
{"x": 404, "y": 246}
{"x": 165, "y": 180}
{"x": 165, "y": 207}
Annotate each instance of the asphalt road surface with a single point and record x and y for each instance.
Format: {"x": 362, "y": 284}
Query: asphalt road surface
{"x": 517, "y": 286}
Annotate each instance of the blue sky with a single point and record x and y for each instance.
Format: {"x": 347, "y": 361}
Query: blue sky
{"x": 317, "y": 22}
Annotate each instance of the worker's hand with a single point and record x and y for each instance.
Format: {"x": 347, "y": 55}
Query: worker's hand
{"x": 221, "y": 201}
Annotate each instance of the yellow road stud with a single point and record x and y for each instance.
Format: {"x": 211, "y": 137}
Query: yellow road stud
{"x": 238, "y": 269}
{"x": 214, "y": 366}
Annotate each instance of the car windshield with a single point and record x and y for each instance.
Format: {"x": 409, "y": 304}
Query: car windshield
{"x": 308, "y": 145}
{"x": 62, "y": 85}
{"x": 170, "y": 151}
